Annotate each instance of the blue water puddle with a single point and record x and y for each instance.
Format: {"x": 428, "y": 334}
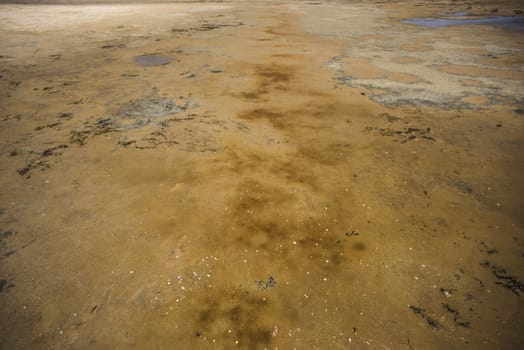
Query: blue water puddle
{"x": 151, "y": 60}
{"x": 514, "y": 22}
{"x": 460, "y": 13}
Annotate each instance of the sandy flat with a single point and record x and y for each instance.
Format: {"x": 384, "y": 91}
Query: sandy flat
{"x": 260, "y": 175}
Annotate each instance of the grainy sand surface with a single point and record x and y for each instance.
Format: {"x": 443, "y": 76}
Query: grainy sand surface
{"x": 261, "y": 175}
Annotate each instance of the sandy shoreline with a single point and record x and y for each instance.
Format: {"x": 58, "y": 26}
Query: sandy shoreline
{"x": 306, "y": 175}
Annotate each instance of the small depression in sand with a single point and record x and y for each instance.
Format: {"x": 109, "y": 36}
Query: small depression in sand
{"x": 151, "y": 60}
{"x": 143, "y": 111}
{"x": 515, "y": 22}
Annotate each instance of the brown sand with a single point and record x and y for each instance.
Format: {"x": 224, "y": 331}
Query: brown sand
{"x": 293, "y": 175}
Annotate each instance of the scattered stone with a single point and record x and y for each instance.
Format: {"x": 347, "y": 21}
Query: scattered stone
{"x": 48, "y": 126}
{"x": 402, "y": 135}
{"x": 5, "y": 285}
{"x": 141, "y": 112}
{"x": 113, "y": 46}
{"x": 456, "y": 316}
{"x": 352, "y": 233}
{"x": 14, "y": 84}
{"x": 52, "y": 151}
{"x": 126, "y": 142}
{"x": 129, "y": 75}
{"x": 484, "y": 248}
{"x": 39, "y": 161}
{"x": 270, "y": 283}
{"x": 446, "y": 292}
{"x": 206, "y": 27}
{"x": 78, "y": 137}
{"x": 390, "y": 118}
{"x": 506, "y": 280}
{"x": 422, "y": 313}
{"x": 66, "y": 115}
{"x": 463, "y": 186}
{"x": 7, "y": 233}
{"x": 23, "y": 171}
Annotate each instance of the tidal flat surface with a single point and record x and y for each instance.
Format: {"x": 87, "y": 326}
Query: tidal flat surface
{"x": 260, "y": 175}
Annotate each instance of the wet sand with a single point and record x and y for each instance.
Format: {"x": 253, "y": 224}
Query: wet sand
{"x": 260, "y": 175}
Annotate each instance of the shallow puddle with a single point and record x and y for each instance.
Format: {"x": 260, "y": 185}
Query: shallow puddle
{"x": 151, "y": 60}
{"x": 515, "y": 22}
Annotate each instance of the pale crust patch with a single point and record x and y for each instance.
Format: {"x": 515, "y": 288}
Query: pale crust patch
{"x": 474, "y": 100}
{"x": 478, "y": 72}
{"x": 360, "y": 68}
{"x": 472, "y": 82}
{"x": 406, "y": 60}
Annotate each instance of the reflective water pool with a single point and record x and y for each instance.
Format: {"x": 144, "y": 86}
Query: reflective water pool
{"x": 151, "y": 60}
{"x": 515, "y": 22}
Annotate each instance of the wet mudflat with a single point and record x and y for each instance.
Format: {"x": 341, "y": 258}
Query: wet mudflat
{"x": 259, "y": 176}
